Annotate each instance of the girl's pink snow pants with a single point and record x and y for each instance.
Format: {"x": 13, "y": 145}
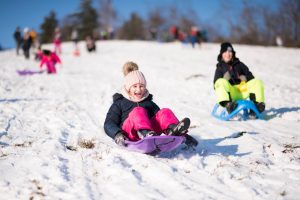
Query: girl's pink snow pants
{"x": 138, "y": 120}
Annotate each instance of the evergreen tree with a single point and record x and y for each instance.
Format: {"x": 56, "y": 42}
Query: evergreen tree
{"x": 88, "y": 19}
{"x": 48, "y": 28}
{"x": 133, "y": 29}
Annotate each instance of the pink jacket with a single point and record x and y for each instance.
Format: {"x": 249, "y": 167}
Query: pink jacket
{"x": 53, "y": 59}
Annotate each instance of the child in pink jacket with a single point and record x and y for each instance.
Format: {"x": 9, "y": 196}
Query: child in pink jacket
{"x": 49, "y": 59}
{"x": 133, "y": 115}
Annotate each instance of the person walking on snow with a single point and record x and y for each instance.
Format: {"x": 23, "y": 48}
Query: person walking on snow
{"x": 50, "y": 59}
{"x": 133, "y": 114}
{"x": 74, "y": 37}
{"x": 26, "y": 43}
{"x": 233, "y": 81}
{"x": 18, "y": 39}
{"x": 57, "y": 41}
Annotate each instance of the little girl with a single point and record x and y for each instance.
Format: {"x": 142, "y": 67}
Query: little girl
{"x": 133, "y": 115}
{"x": 50, "y": 59}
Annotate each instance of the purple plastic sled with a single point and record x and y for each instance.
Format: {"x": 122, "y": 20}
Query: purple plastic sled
{"x": 28, "y": 72}
{"x": 155, "y": 144}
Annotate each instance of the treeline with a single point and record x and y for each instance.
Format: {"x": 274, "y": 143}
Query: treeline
{"x": 262, "y": 25}
{"x": 255, "y": 24}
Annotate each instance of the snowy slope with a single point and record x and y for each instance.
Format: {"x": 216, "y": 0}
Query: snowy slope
{"x": 41, "y": 115}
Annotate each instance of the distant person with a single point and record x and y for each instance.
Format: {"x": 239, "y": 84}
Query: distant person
{"x": 104, "y": 35}
{"x": 153, "y": 33}
{"x": 74, "y": 38}
{"x": 177, "y": 34}
{"x": 50, "y": 59}
{"x": 233, "y": 81}
{"x": 174, "y": 31}
{"x": 279, "y": 41}
{"x": 27, "y": 42}
{"x": 200, "y": 36}
{"x": 90, "y": 44}
{"x": 18, "y": 39}
{"x": 57, "y": 41}
{"x": 195, "y": 36}
{"x": 34, "y": 38}
{"x": 134, "y": 116}
{"x": 111, "y": 33}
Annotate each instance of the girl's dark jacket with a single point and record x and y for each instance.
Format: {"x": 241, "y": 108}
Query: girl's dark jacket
{"x": 235, "y": 68}
{"x": 120, "y": 109}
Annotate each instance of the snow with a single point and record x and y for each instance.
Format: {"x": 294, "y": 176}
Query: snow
{"x": 48, "y": 121}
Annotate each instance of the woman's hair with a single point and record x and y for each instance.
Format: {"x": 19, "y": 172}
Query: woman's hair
{"x": 129, "y": 67}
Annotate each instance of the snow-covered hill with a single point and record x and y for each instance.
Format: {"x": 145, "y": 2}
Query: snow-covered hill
{"x": 41, "y": 115}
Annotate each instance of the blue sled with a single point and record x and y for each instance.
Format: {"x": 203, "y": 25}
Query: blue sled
{"x": 243, "y": 105}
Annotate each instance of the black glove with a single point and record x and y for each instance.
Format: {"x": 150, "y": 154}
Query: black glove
{"x": 120, "y": 139}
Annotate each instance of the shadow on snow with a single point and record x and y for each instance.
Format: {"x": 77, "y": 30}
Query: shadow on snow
{"x": 279, "y": 112}
{"x": 19, "y": 99}
{"x": 207, "y": 147}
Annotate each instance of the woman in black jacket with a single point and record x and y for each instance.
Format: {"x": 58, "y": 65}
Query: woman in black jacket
{"x": 233, "y": 81}
{"x": 133, "y": 115}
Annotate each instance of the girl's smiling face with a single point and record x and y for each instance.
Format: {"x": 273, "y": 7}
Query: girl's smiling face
{"x": 137, "y": 91}
{"x": 227, "y": 56}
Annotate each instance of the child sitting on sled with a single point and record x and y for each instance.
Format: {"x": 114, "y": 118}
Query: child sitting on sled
{"x": 133, "y": 115}
{"x": 234, "y": 81}
{"x": 49, "y": 59}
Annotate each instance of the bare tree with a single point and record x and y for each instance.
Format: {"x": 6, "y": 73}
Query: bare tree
{"x": 107, "y": 14}
{"x": 258, "y": 24}
{"x": 155, "y": 23}
{"x": 248, "y": 27}
{"x": 289, "y": 22}
{"x": 155, "y": 18}
{"x": 68, "y": 24}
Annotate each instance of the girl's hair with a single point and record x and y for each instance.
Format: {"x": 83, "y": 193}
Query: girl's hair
{"x": 46, "y": 52}
{"x": 129, "y": 67}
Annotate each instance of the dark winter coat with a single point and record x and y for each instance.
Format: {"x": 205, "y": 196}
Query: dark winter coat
{"x": 18, "y": 37}
{"x": 235, "y": 68}
{"x": 120, "y": 109}
{"x": 27, "y": 43}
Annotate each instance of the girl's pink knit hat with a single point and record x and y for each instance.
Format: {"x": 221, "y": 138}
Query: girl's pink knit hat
{"x": 134, "y": 77}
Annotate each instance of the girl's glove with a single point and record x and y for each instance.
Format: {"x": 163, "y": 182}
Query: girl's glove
{"x": 243, "y": 78}
{"x": 242, "y": 86}
{"x": 120, "y": 139}
{"x": 227, "y": 76}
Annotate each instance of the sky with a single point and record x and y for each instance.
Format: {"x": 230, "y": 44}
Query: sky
{"x": 31, "y": 13}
